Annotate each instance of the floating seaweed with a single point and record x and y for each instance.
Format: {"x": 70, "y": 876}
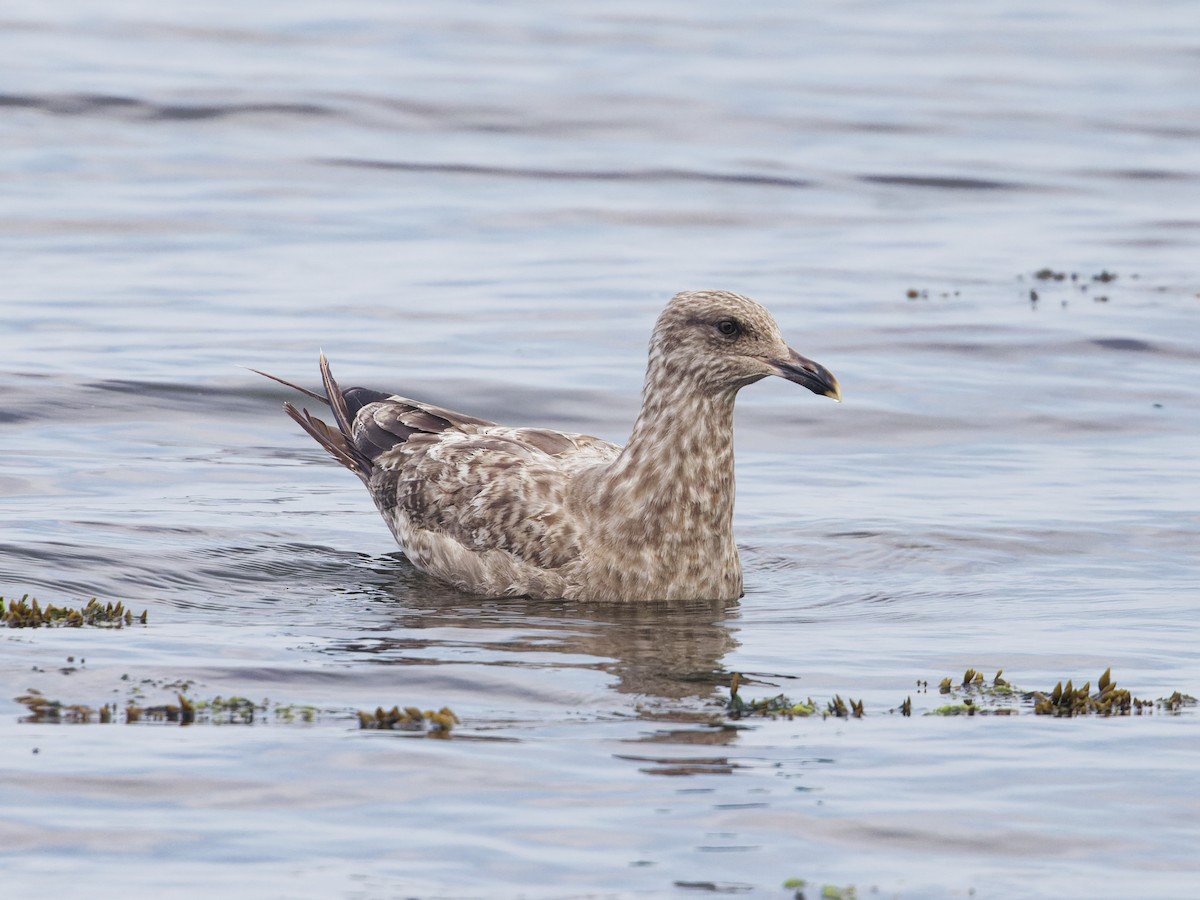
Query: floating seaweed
{"x": 1080, "y": 284}
{"x": 839, "y": 707}
{"x": 778, "y": 706}
{"x": 972, "y": 695}
{"x": 924, "y": 294}
{"x": 715, "y": 887}
{"x": 435, "y": 724}
{"x": 28, "y": 613}
{"x": 1049, "y": 274}
{"x": 781, "y": 706}
{"x": 999, "y": 698}
{"x": 230, "y": 710}
{"x": 828, "y": 891}
{"x": 682, "y": 766}
{"x": 183, "y": 711}
{"x": 220, "y": 710}
{"x": 296, "y": 713}
{"x": 43, "y": 709}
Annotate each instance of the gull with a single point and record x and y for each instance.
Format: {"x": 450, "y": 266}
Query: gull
{"x": 502, "y": 511}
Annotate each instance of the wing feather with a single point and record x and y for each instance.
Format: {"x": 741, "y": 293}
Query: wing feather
{"x": 494, "y": 489}
{"x": 444, "y": 479}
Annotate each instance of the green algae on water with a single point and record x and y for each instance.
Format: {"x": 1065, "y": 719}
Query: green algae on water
{"x": 28, "y": 613}
{"x": 411, "y": 718}
{"x": 973, "y": 695}
{"x": 843, "y": 710}
{"x": 828, "y": 891}
{"x": 976, "y": 696}
{"x": 183, "y": 711}
{"x": 781, "y": 706}
{"x": 43, "y": 709}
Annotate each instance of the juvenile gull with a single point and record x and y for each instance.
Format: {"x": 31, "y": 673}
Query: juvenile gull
{"x": 497, "y": 511}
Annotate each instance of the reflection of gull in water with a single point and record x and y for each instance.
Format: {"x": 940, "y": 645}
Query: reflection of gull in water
{"x": 496, "y": 510}
{"x": 661, "y": 650}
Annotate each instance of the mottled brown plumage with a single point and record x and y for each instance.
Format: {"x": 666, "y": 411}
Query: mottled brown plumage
{"x": 529, "y": 511}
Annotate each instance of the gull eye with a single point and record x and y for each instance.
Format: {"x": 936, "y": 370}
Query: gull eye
{"x": 729, "y": 328}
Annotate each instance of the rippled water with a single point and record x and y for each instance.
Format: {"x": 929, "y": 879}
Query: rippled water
{"x": 486, "y": 206}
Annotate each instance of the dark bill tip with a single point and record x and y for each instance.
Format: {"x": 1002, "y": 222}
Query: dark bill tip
{"x": 809, "y": 374}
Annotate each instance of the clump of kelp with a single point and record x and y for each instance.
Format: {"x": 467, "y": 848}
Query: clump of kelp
{"x": 828, "y": 891}
{"x": 435, "y": 724}
{"x": 977, "y": 696}
{"x": 229, "y": 711}
{"x": 28, "y": 613}
{"x": 781, "y": 706}
{"x": 184, "y": 711}
{"x": 974, "y": 695}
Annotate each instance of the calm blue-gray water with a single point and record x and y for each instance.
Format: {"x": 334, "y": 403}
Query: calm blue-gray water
{"x": 485, "y": 206}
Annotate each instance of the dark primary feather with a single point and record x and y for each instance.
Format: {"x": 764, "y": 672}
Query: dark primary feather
{"x": 490, "y": 490}
{"x": 333, "y": 441}
{"x": 370, "y": 423}
{"x": 384, "y": 422}
{"x": 358, "y": 397}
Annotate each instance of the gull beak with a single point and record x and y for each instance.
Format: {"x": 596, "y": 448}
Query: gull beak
{"x": 809, "y": 374}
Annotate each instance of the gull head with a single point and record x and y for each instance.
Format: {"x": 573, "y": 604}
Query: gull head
{"x": 723, "y": 341}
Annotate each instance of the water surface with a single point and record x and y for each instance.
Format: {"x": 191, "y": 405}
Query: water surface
{"x": 486, "y": 206}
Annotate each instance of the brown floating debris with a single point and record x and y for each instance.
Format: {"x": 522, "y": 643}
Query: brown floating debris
{"x": 185, "y": 711}
{"x": 1048, "y": 274}
{"x": 411, "y": 718}
{"x": 1000, "y": 698}
{"x": 781, "y": 706}
{"x": 976, "y": 695}
{"x": 43, "y": 709}
{"x": 28, "y": 613}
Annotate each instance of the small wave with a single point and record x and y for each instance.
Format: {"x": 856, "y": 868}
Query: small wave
{"x": 1142, "y": 174}
{"x": 631, "y": 175}
{"x": 944, "y": 183}
{"x": 107, "y": 105}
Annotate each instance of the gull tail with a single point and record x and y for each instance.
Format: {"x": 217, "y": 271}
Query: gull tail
{"x": 338, "y": 442}
{"x": 285, "y": 383}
